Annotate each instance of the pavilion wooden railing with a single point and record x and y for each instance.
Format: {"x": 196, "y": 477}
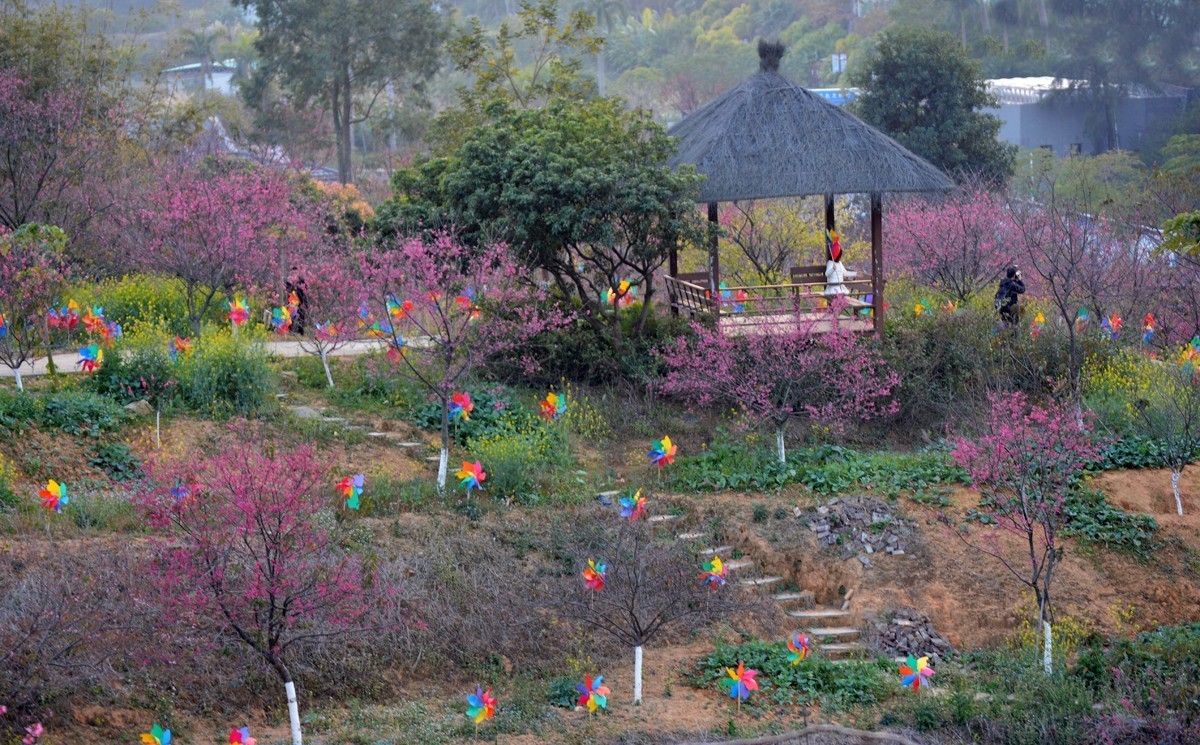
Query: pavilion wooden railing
{"x": 751, "y": 305}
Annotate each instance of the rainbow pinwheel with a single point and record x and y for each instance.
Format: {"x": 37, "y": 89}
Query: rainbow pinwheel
{"x": 238, "y": 312}
{"x": 481, "y": 705}
{"x": 397, "y": 349}
{"x": 241, "y": 736}
{"x": 157, "y": 736}
{"x": 1039, "y": 323}
{"x": 3, "y": 326}
{"x": 623, "y": 296}
{"x": 54, "y": 496}
{"x": 180, "y": 492}
{"x": 177, "y": 346}
{"x": 714, "y": 573}
{"x": 914, "y": 672}
{"x": 737, "y": 299}
{"x": 1147, "y": 329}
{"x": 594, "y": 575}
{"x": 471, "y": 476}
{"x": 293, "y": 300}
{"x": 461, "y": 406}
{"x": 1114, "y": 327}
{"x": 281, "y": 319}
{"x": 90, "y": 358}
{"x": 112, "y": 331}
{"x": 798, "y": 647}
{"x": 65, "y": 319}
{"x": 94, "y": 321}
{"x": 741, "y": 682}
{"x": 593, "y": 693}
{"x": 662, "y": 452}
{"x": 326, "y": 331}
{"x": 921, "y": 307}
{"x": 398, "y": 310}
{"x": 633, "y": 507}
{"x": 351, "y": 488}
{"x": 950, "y": 306}
{"x": 835, "y": 244}
{"x": 553, "y": 406}
{"x": 1082, "y": 318}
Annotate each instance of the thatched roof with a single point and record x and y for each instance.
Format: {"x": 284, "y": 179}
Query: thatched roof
{"x": 769, "y": 138}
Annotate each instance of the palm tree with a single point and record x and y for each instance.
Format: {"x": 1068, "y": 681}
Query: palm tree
{"x": 608, "y": 13}
{"x": 202, "y": 45}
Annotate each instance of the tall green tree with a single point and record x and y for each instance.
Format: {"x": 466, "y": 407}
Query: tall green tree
{"x": 342, "y": 56}
{"x": 202, "y": 44}
{"x": 920, "y": 87}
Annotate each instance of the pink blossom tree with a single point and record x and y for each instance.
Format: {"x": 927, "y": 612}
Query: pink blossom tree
{"x": 32, "y": 274}
{"x": 1023, "y": 465}
{"x": 217, "y": 230}
{"x": 832, "y": 378}
{"x": 446, "y": 310}
{"x": 957, "y": 245}
{"x": 250, "y": 544}
{"x": 334, "y": 291}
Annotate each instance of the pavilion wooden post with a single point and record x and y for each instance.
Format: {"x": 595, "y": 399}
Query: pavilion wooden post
{"x": 877, "y": 260}
{"x": 714, "y": 255}
{"x": 830, "y": 225}
{"x": 672, "y": 272}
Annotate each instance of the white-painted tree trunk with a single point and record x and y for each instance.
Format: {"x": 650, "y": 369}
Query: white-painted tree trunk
{"x": 325, "y": 364}
{"x": 637, "y": 675}
{"x": 779, "y": 446}
{"x": 1175, "y": 487}
{"x": 293, "y": 713}
{"x": 443, "y": 467}
{"x": 1047, "y": 648}
{"x": 17, "y": 372}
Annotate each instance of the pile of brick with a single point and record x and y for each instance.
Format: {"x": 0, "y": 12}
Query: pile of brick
{"x": 860, "y": 526}
{"x": 906, "y": 632}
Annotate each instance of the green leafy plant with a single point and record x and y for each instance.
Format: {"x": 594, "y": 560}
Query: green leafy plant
{"x": 118, "y": 461}
{"x": 1091, "y": 518}
{"x": 225, "y": 375}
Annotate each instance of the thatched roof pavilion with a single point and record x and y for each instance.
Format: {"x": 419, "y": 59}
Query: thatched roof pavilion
{"x": 769, "y": 138}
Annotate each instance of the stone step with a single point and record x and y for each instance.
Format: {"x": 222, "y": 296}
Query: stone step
{"x": 842, "y": 648}
{"x": 804, "y": 596}
{"x": 737, "y": 565}
{"x": 819, "y": 613}
{"x": 835, "y": 631}
{"x": 691, "y": 536}
{"x": 759, "y": 582}
{"x": 663, "y": 518}
{"x": 717, "y": 550}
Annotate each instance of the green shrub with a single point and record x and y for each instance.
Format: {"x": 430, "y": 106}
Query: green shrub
{"x": 495, "y": 411}
{"x": 833, "y": 685}
{"x": 80, "y": 412}
{"x": 226, "y": 375}
{"x": 8, "y": 474}
{"x": 1091, "y": 518}
{"x": 118, "y": 461}
{"x": 122, "y": 372}
{"x": 18, "y": 411}
{"x": 1157, "y": 672}
{"x": 517, "y": 449}
{"x": 138, "y": 299}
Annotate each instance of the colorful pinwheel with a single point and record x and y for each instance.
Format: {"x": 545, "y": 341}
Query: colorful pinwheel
{"x": 1147, "y": 329}
{"x": 714, "y": 573}
{"x": 94, "y": 321}
{"x": 1082, "y": 318}
{"x": 3, "y": 326}
{"x": 54, "y": 496}
{"x": 595, "y": 575}
{"x": 351, "y": 488}
{"x": 90, "y": 358}
{"x": 461, "y": 406}
{"x": 798, "y": 647}
{"x": 1039, "y": 323}
{"x": 180, "y": 492}
{"x": 633, "y": 507}
{"x": 914, "y": 672}
{"x": 65, "y": 319}
{"x": 177, "y": 346}
{"x": 471, "y": 476}
{"x": 157, "y": 736}
{"x": 922, "y": 307}
{"x": 623, "y": 296}
{"x": 662, "y": 452}
{"x": 326, "y": 331}
{"x": 238, "y": 312}
{"x": 1114, "y": 327}
{"x": 593, "y": 693}
{"x": 398, "y": 310}
{"x": 281, "y": 319}
{"x": 553, "y": 406}
{"x": 741, "y": 682}
{"x": 241, "y": 736}
{"x": 481, "y": 705}
{"x": 835, "y": 245}
{"x": 397, "y": 349}
{"x": 736, "y": 300}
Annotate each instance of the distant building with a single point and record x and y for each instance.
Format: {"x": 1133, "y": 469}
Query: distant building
{"x": 191, "y": 78}
{"x": 1044, "y": 113}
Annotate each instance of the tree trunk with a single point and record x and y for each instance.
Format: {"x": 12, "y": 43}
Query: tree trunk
{"x": 17, "y": 373}
{"x": 293, "y": 713}
{"x": 1175, "y": 474}
{"x": 637, "y": 675}
{"x": 1047, "y": 648}
{"x": 781, "y": 450}
{"x": 444, "y": 461}
{"x": 325, "y": 364}
{"x": 158, "y": 429}
{"x": 600, "y": 71}
{"x": 1044, "y": 20}
{"x": 987, "y": 22}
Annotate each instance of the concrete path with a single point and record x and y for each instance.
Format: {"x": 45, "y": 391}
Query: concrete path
{"x": 65, "y": 361}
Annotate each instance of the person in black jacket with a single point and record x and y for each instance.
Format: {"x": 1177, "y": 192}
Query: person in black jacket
{"x": 1006, "y": 296}
{"x": 297, "y": 285}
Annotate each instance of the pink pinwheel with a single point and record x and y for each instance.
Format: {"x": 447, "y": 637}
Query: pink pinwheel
{"x": 741, "y": 682}
{"x": 481, "y": 706}
{"x": 238, "y": 312}
{"x": 662, "y": 452}
{"x": 471, "y": 476}
{"x": 595, "y": 575}
{"x": 241, "y": 736}
{"x": 633, "y": 507}
{"x": 461, "y": 406}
